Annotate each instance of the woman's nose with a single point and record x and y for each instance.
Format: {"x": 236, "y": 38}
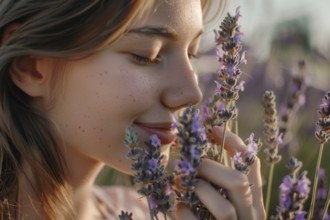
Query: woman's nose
{"x": 182, "y": 88}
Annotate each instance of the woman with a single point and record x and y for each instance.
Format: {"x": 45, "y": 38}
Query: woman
{"x": 74, "y": 74}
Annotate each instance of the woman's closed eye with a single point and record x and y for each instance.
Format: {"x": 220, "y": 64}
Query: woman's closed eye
{"x": 143, "y": 60}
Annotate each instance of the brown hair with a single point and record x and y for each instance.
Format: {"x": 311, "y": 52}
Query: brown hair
{"x": 60, "y": 29}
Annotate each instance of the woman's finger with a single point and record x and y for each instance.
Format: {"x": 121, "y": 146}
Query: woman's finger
{"x": 233, "y": 143}
{"x": 235, "y": 182}
{"x": 220, "y": 207}
{"x": 183, "y": 212}
{"x": 254, "y": 177}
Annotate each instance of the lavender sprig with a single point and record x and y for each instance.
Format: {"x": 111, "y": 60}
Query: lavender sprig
{"x": 323, "y": 124}
{"x": 271, "y": 129}
{"x": 150, "y": 175}
{"x": 273, "y": 140}
{"x": 294, "y": 191}
{"x": 296, "y": 97}
{"x": 243, "y": 163}
{"x": 222, "y": 106}
{"x": 323, "y": 135}
{"x": 192, "y": 141}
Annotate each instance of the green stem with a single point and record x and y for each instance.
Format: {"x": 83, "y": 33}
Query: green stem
{"x": 236, "y": 126}
{"x": 223, "y": 142}
{"x": 228, "y": 161}
{"x": 269, "y": 188}
{"x": 165, "y": 217}
{"x": 326, "y": 206}
{"x": 318, "y": 163}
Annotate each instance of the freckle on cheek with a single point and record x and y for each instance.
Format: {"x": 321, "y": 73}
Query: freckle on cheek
{"x": 83, "y": 130}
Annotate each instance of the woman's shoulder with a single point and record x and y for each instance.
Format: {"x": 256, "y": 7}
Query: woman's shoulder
{"x": 114, "y": 199}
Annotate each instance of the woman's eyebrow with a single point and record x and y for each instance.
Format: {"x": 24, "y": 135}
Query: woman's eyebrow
{"x": 160, "y": 31}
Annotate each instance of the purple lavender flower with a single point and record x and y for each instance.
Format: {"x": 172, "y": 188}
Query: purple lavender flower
{"x": 239, "y": 163}
{"x": 300, "y": 215}
{"x": 325, "y": 106}
{"x": 153, "y": 205}
{"x": 323, "y": 135}
{"x": 285, "y": 189}
{"x": 243, "y": 163}
{"x": 186, "y": 168}
{"x": 321, "y": 195}
{"x": 252, "y": 147}
{"x": 323, "y": 124}
{"x": 303, "y": 185}
{"x": 154, "y": 141}
{"x": 153, "y": 164}
{"x": 296, "y": 98}
{"x": 294, "y": 191}
{"x": 149, "y": 174}
{"x": 321, "y": 189}
{"x": 192, "y": 140}
{"x": 205, "y": 113}
{"x": 326, "y": 217}
{"x": 222, "y": 105}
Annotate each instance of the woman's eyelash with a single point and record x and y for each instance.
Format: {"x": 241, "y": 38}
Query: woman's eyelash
{"x": 142, "y": 60}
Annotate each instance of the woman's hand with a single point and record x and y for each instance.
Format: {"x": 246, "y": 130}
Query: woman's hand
{"x": 245, "y": 201}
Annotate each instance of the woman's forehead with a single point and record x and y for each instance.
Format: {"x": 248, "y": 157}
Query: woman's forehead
{"x": 183, "y": 17}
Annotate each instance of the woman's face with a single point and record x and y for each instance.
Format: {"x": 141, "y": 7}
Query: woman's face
{"x": 139, "y": 81}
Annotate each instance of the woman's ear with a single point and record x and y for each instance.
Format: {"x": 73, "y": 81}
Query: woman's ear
{"x": 31, "y": 74}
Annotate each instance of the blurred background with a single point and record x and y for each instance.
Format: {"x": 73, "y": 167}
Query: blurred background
{"x": 278, "y": 34}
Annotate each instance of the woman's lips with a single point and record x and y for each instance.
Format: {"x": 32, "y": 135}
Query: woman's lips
{"x": 162, "y": 130}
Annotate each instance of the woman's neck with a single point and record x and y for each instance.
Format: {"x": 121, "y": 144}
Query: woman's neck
{"x": 81, "y": 174}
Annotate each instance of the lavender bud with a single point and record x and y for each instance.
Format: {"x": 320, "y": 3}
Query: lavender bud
{"x": 271, "y": 130}
{"x": 192, "y": 139}
{"x": 323, "y": 124}
{"x": 125, "y": 216}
